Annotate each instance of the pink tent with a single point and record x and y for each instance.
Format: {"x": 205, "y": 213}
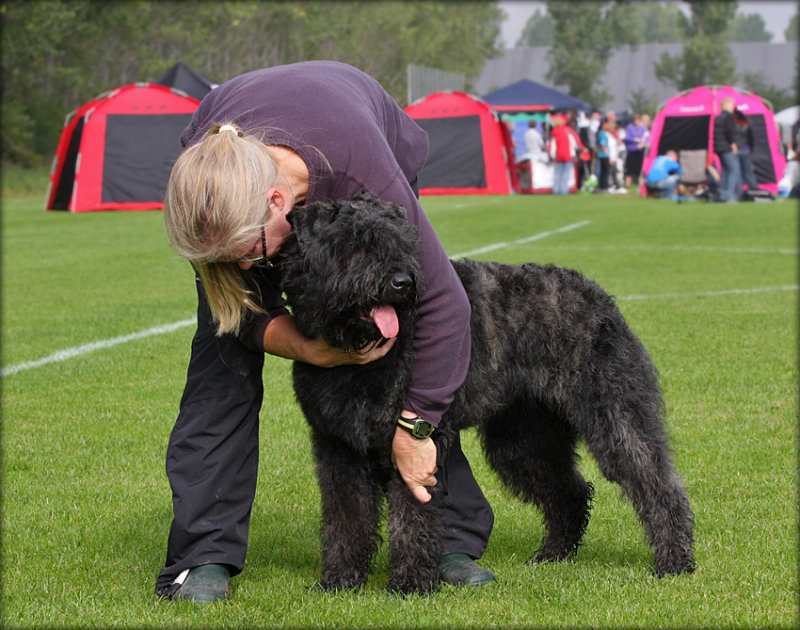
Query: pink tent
{"x": 686, "y": 125}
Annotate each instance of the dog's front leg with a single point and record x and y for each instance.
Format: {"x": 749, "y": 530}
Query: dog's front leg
{"x": 416, "y": 532}
{"x": 350, "y": 515}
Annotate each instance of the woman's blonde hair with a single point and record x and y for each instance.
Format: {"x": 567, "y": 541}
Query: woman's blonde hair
{"x": 216, "y": 203}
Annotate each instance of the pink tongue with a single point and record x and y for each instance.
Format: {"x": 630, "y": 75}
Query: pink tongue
{"x": 386, "y": 320}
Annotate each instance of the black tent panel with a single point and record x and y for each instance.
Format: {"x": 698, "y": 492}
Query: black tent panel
{"x": 66, "y": 180}
{"x": 182, "y": 77}
{"x": 761, "y": 155}
{"x": 684, "y": 132}
{"x": 455, "y": 158}
{"x": 139, "y": 153}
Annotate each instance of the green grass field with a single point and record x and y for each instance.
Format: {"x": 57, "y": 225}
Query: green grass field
{"x": 710, "y": 288}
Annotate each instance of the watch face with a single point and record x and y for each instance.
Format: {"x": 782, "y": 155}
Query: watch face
{"x": 421, "y": 429}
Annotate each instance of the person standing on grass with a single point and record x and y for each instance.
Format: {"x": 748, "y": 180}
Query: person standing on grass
{"x": 744, "y": 144}
{"x": 726, "y": 149}
{"x": 635, "y": 139}
{"x": 562, "y": 151}
{"x": 601, "y": 145}
{"x": 259, "y": 146}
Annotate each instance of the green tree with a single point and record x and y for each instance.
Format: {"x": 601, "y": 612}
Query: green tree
{"x": 585, "y": 34}
{"x": 642, "y": 103}
{"x": 538, "y": 30}
{"x": 57, "y": 54}
{"x": 780, "y": 98}
{"x": 793, "y": 30}
{"x": 658, "y": 23}
{"x": 748, "y": 28}
{"x": 705, "y": 57}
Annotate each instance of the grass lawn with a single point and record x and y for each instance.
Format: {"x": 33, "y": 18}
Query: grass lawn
{"x": 711, "y": 289}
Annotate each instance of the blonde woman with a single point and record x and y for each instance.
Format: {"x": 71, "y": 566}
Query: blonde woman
{"x": 258, "y": 147}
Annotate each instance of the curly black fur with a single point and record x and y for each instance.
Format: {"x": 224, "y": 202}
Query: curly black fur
{"x": 553, "y": 362}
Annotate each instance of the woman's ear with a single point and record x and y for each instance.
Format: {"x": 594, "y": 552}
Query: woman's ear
{"x": 277, "y": 200}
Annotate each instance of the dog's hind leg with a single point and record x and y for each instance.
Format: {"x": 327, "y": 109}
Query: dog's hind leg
{"x": 416, "y": 534}
{"x": 633, "y": 452}
{"x": 534, "y": 454}
{"x": 351, "y": 500}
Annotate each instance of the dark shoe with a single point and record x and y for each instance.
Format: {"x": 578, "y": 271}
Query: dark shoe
{"x": 206, "y": 583}
{"x": 459, "y": 569}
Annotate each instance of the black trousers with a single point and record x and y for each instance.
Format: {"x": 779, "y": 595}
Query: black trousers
{"x": 212, "y": 462}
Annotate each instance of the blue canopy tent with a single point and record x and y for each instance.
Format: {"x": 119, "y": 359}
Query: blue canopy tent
{"x": 520, "y": 103}
{"x": 528, "y": 96}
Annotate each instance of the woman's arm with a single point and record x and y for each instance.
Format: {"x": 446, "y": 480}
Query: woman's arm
{"x": 282, "y": 339}
{"x": 414, "y": 459}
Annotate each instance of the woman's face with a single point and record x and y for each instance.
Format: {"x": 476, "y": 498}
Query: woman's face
{"x": 276, "y": 228}
{"x": 290, "y": 190}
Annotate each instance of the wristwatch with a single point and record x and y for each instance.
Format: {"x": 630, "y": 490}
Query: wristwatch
{"x": 416, "y": 427}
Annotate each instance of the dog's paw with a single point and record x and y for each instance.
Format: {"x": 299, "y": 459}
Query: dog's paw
{"x": 404, "y": 588}
{"x": 543, "y": 557}
{"x": 675, "y": 565}
{"x": 329, "y": 586}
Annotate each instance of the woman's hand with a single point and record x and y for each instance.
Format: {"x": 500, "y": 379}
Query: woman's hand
{"x": 282, "y": 339}
{"x": 415, "y": 460}
{"x": 323, "y": 355}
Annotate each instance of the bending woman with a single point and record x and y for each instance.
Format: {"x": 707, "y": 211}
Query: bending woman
{"x": 259, "y": 146}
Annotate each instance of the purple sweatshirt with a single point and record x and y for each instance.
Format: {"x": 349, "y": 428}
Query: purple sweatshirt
{"x": 354, "y": 137}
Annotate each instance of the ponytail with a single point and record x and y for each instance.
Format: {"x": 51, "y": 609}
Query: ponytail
{"x": 215, "y": 205}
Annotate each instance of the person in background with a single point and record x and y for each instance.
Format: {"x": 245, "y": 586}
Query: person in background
{"x": 634, "y": 149}
{"x": 744, "y": 142}
{"x": 664, "y": 176}
{"x": 602, "y": 155}
{"x": 646, "y": 124}
{"x": 594, "y": 127}
{"x": 726, "y": 149}
{"x": 614, "y": 147}
{"x": 534, "y": 144}
{"x": 563, "y": 150}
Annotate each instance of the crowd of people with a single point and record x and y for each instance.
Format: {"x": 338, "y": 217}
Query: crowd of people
{"x": 607, "y": 152}
{"x": 607, "y": 156}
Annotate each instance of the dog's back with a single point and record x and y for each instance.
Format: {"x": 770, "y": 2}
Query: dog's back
{"x": 554, "y": 331}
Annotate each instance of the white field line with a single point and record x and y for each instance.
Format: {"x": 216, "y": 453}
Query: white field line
{"x": 69, "y": 353}
{"x": 521, "y": 241}
{"x": 678, "y": 248}
{"x": 76, "y": 351}
{"x": 662, "y": 296}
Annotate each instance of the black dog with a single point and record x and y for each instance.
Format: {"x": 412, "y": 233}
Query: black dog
{"x": 568, "y": 368}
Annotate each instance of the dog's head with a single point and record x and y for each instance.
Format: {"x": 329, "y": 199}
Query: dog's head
{"x": 350, "y": 270}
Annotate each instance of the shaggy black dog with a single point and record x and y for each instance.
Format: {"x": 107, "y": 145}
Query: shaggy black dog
{"x": 553, "y": 362}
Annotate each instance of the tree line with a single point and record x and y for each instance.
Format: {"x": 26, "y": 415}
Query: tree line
{"x": 582, "y": 35}
{"x": 58, "y": 54}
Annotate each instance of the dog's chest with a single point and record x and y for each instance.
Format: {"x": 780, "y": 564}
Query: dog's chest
{"x": 356, "y": 404}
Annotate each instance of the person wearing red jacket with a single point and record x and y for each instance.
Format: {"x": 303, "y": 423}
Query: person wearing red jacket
{"x": 564, "y": 147}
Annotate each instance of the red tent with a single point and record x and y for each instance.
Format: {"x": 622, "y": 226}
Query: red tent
{"x": 117, "y": 150}
{"x": 470, "y": 148}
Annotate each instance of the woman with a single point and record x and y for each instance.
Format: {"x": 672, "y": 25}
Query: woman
{"x": 258, "y": 147}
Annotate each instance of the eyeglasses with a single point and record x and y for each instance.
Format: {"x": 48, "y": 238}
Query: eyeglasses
{"x": 262, "y": 257}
